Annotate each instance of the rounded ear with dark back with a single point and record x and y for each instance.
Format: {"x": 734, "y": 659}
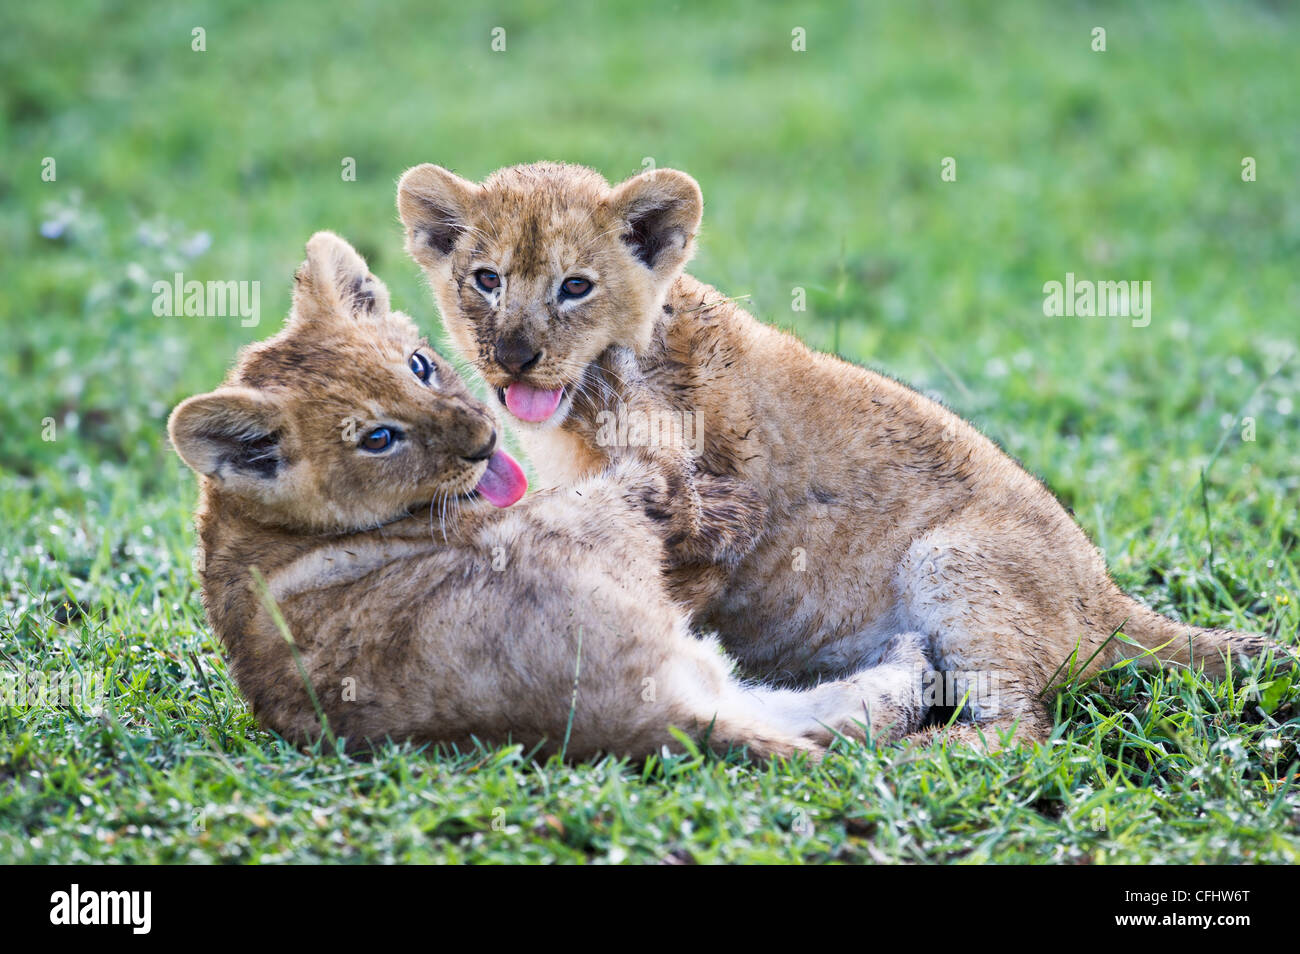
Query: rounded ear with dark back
{"x": 231, "y": 434}
{"x": 334, "y": 282}
{"x": 434, "y": 206}
{"x": 661, "y": 211}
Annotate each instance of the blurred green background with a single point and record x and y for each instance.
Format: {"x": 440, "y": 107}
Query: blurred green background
{"x": 820, "y": 170}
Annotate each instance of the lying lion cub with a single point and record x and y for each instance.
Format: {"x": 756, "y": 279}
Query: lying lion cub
{"x": 346, "y": 462}
{"x": 886, "y": 513}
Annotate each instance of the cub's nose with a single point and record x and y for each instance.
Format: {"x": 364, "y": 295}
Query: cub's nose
{"x": 484, "y": 452}
{"x": 516, "y": 355}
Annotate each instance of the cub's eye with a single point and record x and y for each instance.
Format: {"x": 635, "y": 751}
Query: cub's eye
{"x": 380, "y": 439}
{"x": 487, "y": 279}
{"x": 421, "y": 367}
{"x": 574, "y": 287}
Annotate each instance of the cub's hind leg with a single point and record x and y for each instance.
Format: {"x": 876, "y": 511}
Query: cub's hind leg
{"x": 893, "y": 692}
{"x": 881, "y": 703}
{"x": 699, "y": 694}
{"x": 1000, "y": 603}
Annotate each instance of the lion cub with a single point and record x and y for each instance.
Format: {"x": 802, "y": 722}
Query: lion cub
{"x": 887, "y": 514}
{"x": 346, "y": 463}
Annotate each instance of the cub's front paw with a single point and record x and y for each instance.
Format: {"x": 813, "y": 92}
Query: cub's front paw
{"x": 720, "y": 523}
{"x": 644, "y": 486}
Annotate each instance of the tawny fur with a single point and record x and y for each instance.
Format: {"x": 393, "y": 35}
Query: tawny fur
{"x": 419, "y": 611}
{"x": 885, "y": 512}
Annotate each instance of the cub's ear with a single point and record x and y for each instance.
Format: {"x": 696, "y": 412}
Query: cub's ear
{"x": 661, "y": 212}
{"x": 231, "y": 434}
{"x": 335, "y": 283}
{"x": 434, "y": 205}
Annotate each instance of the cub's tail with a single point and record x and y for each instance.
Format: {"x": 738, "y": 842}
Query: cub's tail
{"x": 1162, "y": 640}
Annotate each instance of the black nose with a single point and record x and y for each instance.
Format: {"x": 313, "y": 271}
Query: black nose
{"x": 516, "y": 355}
{"x": 484, "y": 452}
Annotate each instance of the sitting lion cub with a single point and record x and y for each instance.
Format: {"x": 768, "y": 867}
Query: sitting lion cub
{"x": 887, "y": 516}
{"x": 346, "y": 463}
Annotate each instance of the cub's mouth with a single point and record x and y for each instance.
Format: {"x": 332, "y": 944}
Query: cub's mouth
{"x": 501, "y": 484}
{"x": 533, "y": 404}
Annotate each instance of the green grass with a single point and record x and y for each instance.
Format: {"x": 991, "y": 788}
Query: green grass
{"x": 820, "y": 171}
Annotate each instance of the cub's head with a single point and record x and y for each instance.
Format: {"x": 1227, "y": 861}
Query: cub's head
{"x": 542, "y": 267}
{"x": 346, "y": 419}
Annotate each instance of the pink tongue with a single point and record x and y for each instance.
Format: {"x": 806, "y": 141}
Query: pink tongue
{"x": 531, "y": 404}
{"x": 503, "y": 482}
